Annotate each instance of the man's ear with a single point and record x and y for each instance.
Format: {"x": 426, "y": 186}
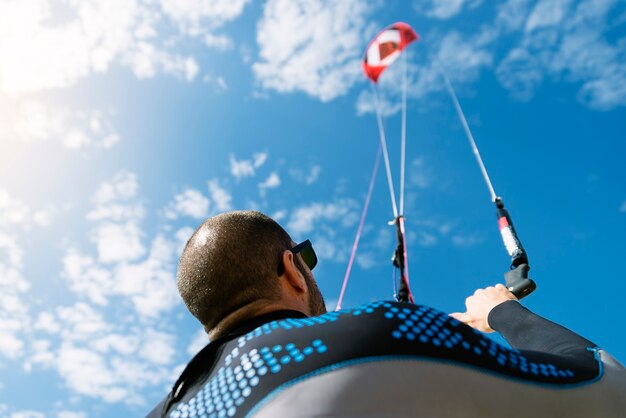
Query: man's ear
{"x": 293, "y": 276}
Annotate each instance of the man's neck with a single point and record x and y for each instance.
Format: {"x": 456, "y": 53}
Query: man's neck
{"x": 247, "y": 312}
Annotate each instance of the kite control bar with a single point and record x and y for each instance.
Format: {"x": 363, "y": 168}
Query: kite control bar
{"x": 517, "y": 280}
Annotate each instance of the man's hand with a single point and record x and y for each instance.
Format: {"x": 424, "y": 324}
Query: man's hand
{"x": 480, "y": 304}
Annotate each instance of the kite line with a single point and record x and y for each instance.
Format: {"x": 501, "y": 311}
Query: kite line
{"x": 360, "y": 228}
{"x": 516, "y": 278}
{"x": 382, "y": 51}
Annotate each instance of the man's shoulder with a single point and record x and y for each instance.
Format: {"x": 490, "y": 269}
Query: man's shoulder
{"x": 379, "y": 320}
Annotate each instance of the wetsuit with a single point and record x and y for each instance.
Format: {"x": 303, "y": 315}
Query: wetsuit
{"x": 394, "y": 359}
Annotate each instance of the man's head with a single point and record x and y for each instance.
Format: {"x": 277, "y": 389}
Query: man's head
{"x": 237, "y": 259}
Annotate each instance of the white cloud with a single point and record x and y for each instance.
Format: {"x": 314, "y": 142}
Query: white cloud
{"x": 384, "y": 239}
{"x": 118, "y": 242}
{"x": 313, "y": 174}
{"x": 15, "y": 318}
{"x": 14, "y": 308}
{"x": 568, "y": 43}
{"x": 71, "y": 414}
{"x": 443, "y": 9}
{"x": 12, "y": 210}
{"x": 529, "y": 43}
{"x": 279, "y": 215}
{"x": 444, "y": 228}
{"x": 117, "y": 212}
{"x": 305, "y": 219}
{"x": 190, "y": 202}
{"x": 219, "y": 42}
{"x": 160, "y": 351}
{"x": 190, "y": 68}
{"x": 301, "y": 176}
{"x": 120, "y": 268}
{"x": 182, "y": 236}
{"x": 117, "y": 236}
{"x": 245, "y": 51}
{"x": 520, "y": 73}
{"x": 366, "y": 260}
{"x": 607, "y": 92}
{"x": 41, "y": 51}
{"x": 271, "y": 182}
{"x": 150, "y": 284}
{"x": 44, "y": 217}
{"x": 241, "y": 168}
{"x": 512, "y": 15}
{"x": 88, "y": 373}
{"x": 191, "y": 14}
{"x": 27, "y": 414}
{"x": 112, "y": 361}
{"x": 220, "y": 196}
{"x": 598, "y": 64}
{"x": 259, "y": 159}
{"x": 148, "y": 60}
{"x": 419, "y": 174}
{"x": 467, "y": 240}
{"x": 311, "y": 46}
{"x": 431, "y": 231}
{"x": 29, "y": 120}
{"x": 221, "y": 84}
{"x": 48, "y": 323}
{"x": 122, "y": 187}
{"x": 547, "y": 13}
{"x": 123, "y": 344}
{"x": 424, "y": 239}
{"x": 47, "y": 44}
{"x": 246, "y": 168}
{"x": 39, "y": 355}
{"x": 11, "y": 345}
{"x": 86, "y": 277}
{"x": 321, "y": 223}
{"x": 463, "y": 57}
{"x": 30, "y": 46}
{"x": 328, "y": 249}
{"x": 389, "y": 102}
{"x": 114, "y": 356}
{"x": 112, "y": 378}
{"x": 560, "y": 40}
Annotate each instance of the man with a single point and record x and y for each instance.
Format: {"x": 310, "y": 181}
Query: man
{"x": 275, "y": 352}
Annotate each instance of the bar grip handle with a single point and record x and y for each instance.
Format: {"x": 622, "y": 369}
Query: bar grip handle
{"x": 518, "y": 282}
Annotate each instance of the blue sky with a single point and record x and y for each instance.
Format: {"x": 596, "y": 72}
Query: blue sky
{"x": 124, "y": 124}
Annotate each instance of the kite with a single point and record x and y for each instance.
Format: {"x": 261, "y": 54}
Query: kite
{"x": 386, "y": 47}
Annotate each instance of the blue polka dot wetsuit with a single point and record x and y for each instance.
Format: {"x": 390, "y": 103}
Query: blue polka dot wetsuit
{"x": 395, "y": 359}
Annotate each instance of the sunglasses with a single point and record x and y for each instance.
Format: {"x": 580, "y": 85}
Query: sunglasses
{"x": 307, "y": 253}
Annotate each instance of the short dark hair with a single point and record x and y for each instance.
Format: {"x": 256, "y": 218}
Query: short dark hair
{"x": 231, "y": 260}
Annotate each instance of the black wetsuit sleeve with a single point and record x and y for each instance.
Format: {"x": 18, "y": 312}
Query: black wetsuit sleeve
{"x": 527, "y": 331}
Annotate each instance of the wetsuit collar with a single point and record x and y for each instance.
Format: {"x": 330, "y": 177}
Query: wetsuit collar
{"x": 257, "y": 321}
{"x": 209, "y": 353}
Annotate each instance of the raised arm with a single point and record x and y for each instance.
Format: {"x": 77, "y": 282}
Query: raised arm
{"x": 495, "y": 308}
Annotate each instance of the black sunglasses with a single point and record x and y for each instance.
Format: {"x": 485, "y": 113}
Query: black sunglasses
{"x": 307, "y": 253}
